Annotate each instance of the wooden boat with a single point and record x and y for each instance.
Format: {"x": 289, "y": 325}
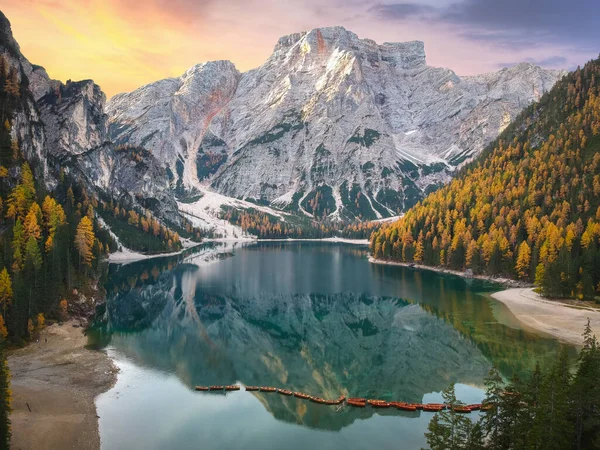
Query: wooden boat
{"x": 302, "y": 395}
{"x": 330, "y": 402}
{"x": 252, "y": 388}
{"x": 340, "y": 400}
{"x": 432, "y": 407}
{"x": 201, "y": 388}
{"x": 357, "y": 399}
{"x": 232, "y": 387}
{"x": 474, "y": 406}
{"x": 356, "y": 404}
{"x": 461, "y": 409}
{"x": 216, "y": 388}
{"x": 396, "y": 404}
{"x": 378, "y": 403}
{"x": 267, "y": 389}
{"x": 320, "y": 400}
{"x": 284, "y": 392}
{"x": 486, "y": 406}
{"x": 406, "y": 406}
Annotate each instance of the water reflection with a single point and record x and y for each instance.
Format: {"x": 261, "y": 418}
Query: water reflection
{"x": 310, "y": 317}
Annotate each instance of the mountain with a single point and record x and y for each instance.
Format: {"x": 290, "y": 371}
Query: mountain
{"x": 62, "y": 129}
{"x": 330, "y": 125}
{"x": 528, "y": 207}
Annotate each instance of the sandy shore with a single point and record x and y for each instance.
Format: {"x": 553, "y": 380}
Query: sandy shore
{"x": 504, "y": 281}
{"x": 54, "y": 385}
{"x": 563, "y": 321}
{"x": 126, "y": 256}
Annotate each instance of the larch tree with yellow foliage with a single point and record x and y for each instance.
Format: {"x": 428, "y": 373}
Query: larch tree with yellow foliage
{"x": 6, "y": 291}
{"x": 84, "y": 241}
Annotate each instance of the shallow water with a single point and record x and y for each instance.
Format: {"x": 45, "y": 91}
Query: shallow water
{"x": 311, "y": 317}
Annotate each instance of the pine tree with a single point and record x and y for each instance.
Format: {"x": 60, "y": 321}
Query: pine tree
{"x": 6, "y": 292}
{"x": 3, "y": 330}
{"x": 17, "y": 245}
{"x": 31, "y": 226}
{"x": 523, "y": 260}
{"x": 449, "y": 430}
{"x": 33, "y": 256}
{"x": 585, "y": 393}
{"x": 84, "y": 240}
{"x": 5, "y": 398}
{"x": 551, "y": 426}
{"x": 492, "y": 420}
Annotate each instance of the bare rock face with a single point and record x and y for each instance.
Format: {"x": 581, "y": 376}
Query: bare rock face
{"x": 64, "y": 126}
{"x": 330, "y": 124}
{"x": 73, "y": 115}
{"x": 26, "y": 128}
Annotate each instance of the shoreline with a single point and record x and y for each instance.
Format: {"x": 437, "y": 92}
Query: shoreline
{"x": 507, "y": 282}
{"x": 554, "y": 318}
{"x": 129, "y": 256}
{"x": 329, "y": 239}
{"x": 561, "y": 320}
{"x": 54, "y": 385}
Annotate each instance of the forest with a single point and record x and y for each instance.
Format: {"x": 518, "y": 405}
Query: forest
{"x": 52, "y": 246}
{"x": 527, "y": 208}
{"x": 267, "y": 226}
{"x": 553, "y": 409}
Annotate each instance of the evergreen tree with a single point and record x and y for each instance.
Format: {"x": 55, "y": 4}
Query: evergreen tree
{"x": 449, "y": 430}
{"x": 5, "y": 398}
{"x": 6, "y": 292}
{"x": 586, "y": 393}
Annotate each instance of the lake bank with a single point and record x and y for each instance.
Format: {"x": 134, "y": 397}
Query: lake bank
{"x": 563, "y": 321}
{"x": 54, "y": 385}
{"x": 126, "y": 256}
{"x": 500, "y": 280}
{"x": 560, "y": 320}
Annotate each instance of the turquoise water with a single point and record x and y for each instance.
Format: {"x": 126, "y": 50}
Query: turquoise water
{"x": 311, "y": 317}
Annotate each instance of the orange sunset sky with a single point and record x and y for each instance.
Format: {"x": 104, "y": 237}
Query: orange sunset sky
{"x": 124, "y": 44}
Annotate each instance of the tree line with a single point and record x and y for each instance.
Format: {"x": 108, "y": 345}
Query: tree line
{"x": 268, "y": 226}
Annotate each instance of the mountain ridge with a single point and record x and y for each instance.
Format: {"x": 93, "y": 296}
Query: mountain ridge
{"x": 368, "y": 129}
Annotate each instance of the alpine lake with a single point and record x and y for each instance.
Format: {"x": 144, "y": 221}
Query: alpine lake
{"x": 314, "y": 317}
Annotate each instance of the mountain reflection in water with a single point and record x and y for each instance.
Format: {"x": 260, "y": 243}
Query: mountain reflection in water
{"x": 310, "y": 317}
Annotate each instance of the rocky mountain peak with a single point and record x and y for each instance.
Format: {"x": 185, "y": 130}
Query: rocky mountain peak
{"x": 330, "y": 124}
{"x": 323, "y": 42}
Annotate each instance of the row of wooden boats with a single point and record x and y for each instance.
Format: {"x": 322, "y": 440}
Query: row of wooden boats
{"x": 231, "y": 387}
{"x": 357, "y": 402}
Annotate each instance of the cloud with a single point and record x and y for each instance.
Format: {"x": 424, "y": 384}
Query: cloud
{"x": 403, "y": 11}
{"x": 509, "y": 23}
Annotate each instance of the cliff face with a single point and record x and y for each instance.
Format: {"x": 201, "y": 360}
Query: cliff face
{"x": 26, "y": 126}
{"x": 366, "y": 128}
{"x": 64, "y": 126}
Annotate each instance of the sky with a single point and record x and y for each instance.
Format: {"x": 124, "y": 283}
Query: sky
{"x": 123, "y": 44}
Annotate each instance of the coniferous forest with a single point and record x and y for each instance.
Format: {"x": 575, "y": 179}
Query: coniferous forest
{"x": 553, "y": 409}
{"x": 528, "y": 207}
{"x": 52, "y": 247}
